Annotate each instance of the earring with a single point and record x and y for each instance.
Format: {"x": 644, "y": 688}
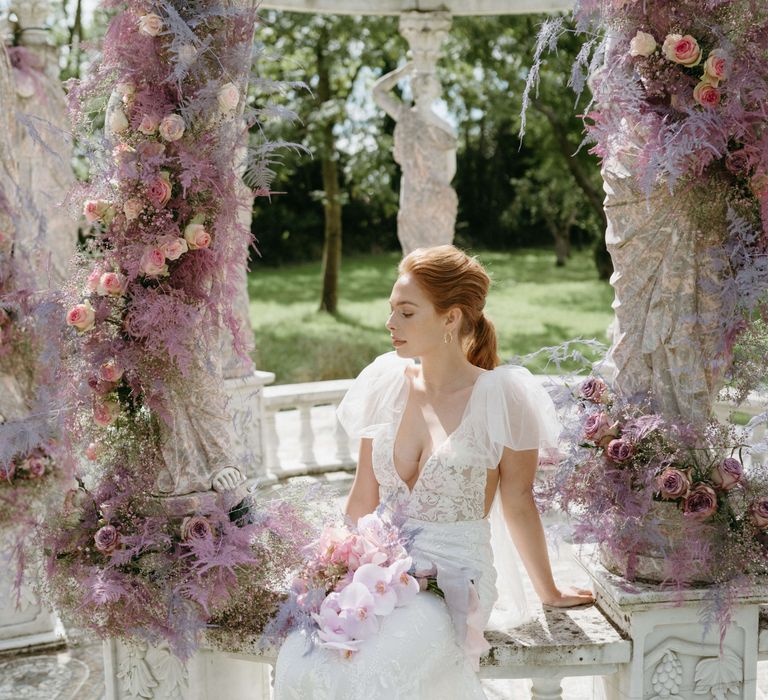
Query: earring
{"x": 448, "y": 337}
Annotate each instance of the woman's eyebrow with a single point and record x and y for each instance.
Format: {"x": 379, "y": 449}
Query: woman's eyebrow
{"x": 400, "y": 303}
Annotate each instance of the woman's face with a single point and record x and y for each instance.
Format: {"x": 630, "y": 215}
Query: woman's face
{"x": 414, "y": 324}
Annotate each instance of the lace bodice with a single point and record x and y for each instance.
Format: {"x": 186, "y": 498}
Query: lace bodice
{"x": 507, "y": 408}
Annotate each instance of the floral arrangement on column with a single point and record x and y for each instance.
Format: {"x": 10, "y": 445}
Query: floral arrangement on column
{"x": 145, "y": 305}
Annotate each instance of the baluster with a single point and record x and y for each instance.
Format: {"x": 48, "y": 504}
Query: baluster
{"x": 343, "y": 454}
{"x": 272, "y": 440}
{"x": 546, "y": 689}
{"x": 307, "y": 435}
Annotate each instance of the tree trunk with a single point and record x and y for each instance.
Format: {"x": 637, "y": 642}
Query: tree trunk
{"x": 329, "y": 297}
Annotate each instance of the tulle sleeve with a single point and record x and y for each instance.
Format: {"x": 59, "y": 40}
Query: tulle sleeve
{"x": 375, "y": 397}
{"x": 514, "y": 410}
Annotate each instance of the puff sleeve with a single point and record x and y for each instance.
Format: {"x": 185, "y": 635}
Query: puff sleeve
{"x": 514, "y": 410}
{"x": 375, "y": 396}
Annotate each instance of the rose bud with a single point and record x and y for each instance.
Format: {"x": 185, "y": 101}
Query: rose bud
{"x": 111, "y": 372}
{"x": 92, "y": 451}
{"x": 82, "y": 316}
{"x": 727, "y": 474}
{"x": 95, "y": 209}
{"x": 642, "y": 44}
{"x": 701, "y": 502}
{"x": 106, "y": 539}
{"x": 672, "y": 484}
{"x": 716, "y": 67}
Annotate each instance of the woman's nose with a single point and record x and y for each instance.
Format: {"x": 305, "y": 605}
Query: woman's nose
{"x": 389, "y": 325}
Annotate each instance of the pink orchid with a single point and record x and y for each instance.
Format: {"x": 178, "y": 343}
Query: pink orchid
{"x": 357, "y": 613}
{"x": 378, "y": 579}
{"x": 404, "y": 585}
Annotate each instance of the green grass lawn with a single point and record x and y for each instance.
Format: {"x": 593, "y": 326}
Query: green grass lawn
{"x": 532, "y": 302}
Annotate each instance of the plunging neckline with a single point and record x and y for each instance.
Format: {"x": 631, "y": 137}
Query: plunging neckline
{"x": 436, "y": 450}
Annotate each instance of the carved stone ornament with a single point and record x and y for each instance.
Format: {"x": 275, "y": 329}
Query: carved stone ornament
{"x": 718, "y": 676}
{"x": 667, "y": 677}
{"x": 151, "y": 672}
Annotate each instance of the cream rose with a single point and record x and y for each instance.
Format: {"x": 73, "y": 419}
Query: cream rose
{"x": 186, "y": 54}
{"x": 172, "y": 128}
{"x": 82, "y": 316}
{"x": 197, "y": 236}
{"x": 152, "y": 263}
{"x": 716, "y": 67}
{"x": 682, "y": 49}
{"x": 706, "y": 94}
{"x": 229, "y": 97}
{"x": 148, "y": 124}
{"x": 151, "y": 24}
{"x": 95, "y": 210}
{"x": 132, "y": 208}
{"x": 173, "y": 246}
{"x": 118, "y": 122}
{"x": 642, "y": 44}
{"x": 112, "y": 284}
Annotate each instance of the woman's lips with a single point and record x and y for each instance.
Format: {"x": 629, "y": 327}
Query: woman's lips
{"x": 398, "y": 343}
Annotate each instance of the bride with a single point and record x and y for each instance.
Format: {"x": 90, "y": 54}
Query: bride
{"x": 439, "y": 439}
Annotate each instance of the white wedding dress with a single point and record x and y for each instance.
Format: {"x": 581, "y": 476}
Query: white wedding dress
{"x": 430, "y": 648}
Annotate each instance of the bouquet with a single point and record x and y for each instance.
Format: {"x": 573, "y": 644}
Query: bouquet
{"x": 354, "y": 577}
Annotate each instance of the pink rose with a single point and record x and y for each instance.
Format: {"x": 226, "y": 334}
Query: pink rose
{"x": 94, "y": 279}
{"x": 596, "y": 426}
{"x": 122, "y": 152}
{"x": 706, "y": 95}
{"x": 132, "y": 208}
{"x": 619, "y": 450}
{"x": 35, "y": 466}
{"x": 151, "y": 24}
{"x": 758, "y": 512}
{"x": 196, "y": 236}
{"x": 159, "y": 190}
{"x": 112, "y": 284}
{"x": 228, "y": 97}
{"x": 95, "y": 209}
{"x": 682, "y": 49}
{"x": 110, "y": 371}
{"x": 148, "y": 124}
{"x": 642, "y": 44}
{"x": 152, "y": 263}
{"x": 106, "y": 539}
{"x": 150, "y": 149}
{"x": 82, "y": 316}
{"x": 592, "y": 389}
{"x": 195, "y": 528}
{"x": 701, "y": 502}
{"x": 727, "y": 474}
{"x": 672, "y": 484}
{"x": 93, "y": 451}
{"x": 105, "y": 412}
{"x": 172, "y": 128}
{"x": 716, "y": 67}
{"x": 173, "y": 246}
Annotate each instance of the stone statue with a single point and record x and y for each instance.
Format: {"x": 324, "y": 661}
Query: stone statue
{"x": 666, "y": 277}
{"x": 425, "y": 144}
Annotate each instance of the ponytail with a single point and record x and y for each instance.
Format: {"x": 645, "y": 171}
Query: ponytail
{"x": 482, "y": 346}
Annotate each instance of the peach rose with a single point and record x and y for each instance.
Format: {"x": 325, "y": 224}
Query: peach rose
{"x": 118, "y": 122}
{"x": 173, "y": 246}
{"x": 706, "y": 94}
{"x": 197, "y": 236}
{"x": 132, "y": 208}
{"x": 153, "y": 263}
{"x": 105, "y": 412}
{"x": 172, "y": 128}
{"x": 111, "y": 372}
{"x": 148, "y": 124}
{"x": 642, "y": 44}
{"x": 159, "y": 190}
{"x": 682, "y": 49}
{"x": 82, "y": 316}
{"x": 112, "y": 284}
{"x": 95, "y": 210}
{"x": 229, "y": 97}
{"x": 151, "y": 24}
{"x": 716, "y": 67}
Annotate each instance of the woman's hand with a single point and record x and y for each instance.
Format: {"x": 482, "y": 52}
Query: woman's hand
{"x": 568, "y": 598}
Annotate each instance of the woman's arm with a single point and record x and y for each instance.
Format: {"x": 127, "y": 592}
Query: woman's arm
{"x": 517, "y": 472}
{"x": 382, "y": 87}
{"x": 364, "y": 495}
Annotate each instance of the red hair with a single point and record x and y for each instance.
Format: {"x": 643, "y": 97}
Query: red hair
{"x": 452, "y": 279}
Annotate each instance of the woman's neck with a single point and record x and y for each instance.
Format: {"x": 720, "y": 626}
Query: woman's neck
{"x": 446, "y": 372}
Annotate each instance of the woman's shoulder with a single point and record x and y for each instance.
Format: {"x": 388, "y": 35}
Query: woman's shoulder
{"x": 388, "y": 362}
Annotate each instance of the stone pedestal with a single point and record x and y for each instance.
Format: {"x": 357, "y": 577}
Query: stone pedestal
{"x": 248, "y": 424}
{"x": 154, "y": 673}
{"x": 672, "y": 656}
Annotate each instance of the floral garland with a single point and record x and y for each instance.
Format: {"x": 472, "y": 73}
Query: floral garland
{"x": 146, "y": 303}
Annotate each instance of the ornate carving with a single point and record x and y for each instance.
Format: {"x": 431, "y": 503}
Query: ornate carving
{"x": 135, "y": 673}
{"x": 170, "y": 673}
{"x": 667, "y": 677}
{"x": 718, "y": 676}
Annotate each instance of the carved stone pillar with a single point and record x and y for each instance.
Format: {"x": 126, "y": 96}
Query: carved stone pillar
{"x": 671, "y": 656}
{"x": 425, "y": 33}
